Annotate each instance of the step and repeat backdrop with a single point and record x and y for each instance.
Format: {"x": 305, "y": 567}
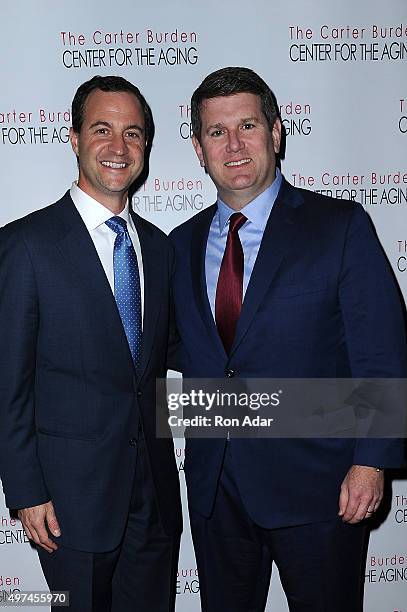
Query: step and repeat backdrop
{"x": 339, "y": 71}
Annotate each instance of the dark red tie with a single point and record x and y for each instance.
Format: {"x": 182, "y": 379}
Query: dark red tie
{"x": 229, "y": 290}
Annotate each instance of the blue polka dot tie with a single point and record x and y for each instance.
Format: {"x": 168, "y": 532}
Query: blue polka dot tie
{"x": 127, "y": 285}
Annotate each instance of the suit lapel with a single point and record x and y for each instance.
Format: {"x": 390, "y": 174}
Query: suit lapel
{"x": 277, "y": 240}
{"x": 198, "y": 253}
{"x": 152, "y": 271}
{"x": 77, "y": 249}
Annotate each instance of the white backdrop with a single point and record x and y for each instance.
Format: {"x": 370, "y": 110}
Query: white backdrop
{"x": 339, "y": 74}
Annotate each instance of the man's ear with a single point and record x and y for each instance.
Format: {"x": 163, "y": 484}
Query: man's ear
{"x": 198, "y": 150}
{"x": 276, "y": 135}
{"x": 73, "y": 137}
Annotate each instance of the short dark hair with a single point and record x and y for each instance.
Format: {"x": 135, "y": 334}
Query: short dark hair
{"x": 227, "y": 82}
{"x": 109, "y": 83}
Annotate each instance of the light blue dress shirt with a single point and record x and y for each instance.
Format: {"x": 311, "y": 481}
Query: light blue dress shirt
{"x": 251, "y": 234}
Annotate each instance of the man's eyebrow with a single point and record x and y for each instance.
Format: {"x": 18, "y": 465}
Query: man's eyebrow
{"x": 219, "y": 126}
{"x": 99, "y": 123}
{"x": 133, "y": 126}
{"x": 213, "y": 126}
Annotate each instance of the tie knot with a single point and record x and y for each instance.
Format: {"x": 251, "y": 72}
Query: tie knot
{"x": 117, "y": 224}
{"x": 236, "y": 221}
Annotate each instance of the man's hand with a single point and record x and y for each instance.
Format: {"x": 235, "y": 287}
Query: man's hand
{"x": 34, "y": 521}
{"x": 361, "y": 493}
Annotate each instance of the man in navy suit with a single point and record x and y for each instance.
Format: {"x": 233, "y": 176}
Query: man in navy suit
{"x": 84, "y": 327}
{"x": 278, "y": 282}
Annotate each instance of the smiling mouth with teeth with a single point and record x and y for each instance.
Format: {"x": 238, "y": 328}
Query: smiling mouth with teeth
{"x": 114, "y": 165}
{"x": 241, "y": 162}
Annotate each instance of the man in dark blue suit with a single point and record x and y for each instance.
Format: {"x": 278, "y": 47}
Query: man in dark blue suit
{"x": 84, "y": 327}
{"x": 277, "y": 282}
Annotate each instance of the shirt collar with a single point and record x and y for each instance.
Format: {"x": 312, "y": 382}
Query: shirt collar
{"x": 257, "y": 211}
{"x": 93, "y": 213}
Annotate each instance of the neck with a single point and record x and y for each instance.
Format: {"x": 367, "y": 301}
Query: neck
{"x": 239, "y": 199}
{"x": 115, "y": 202}
{"x": 115, "y": 207}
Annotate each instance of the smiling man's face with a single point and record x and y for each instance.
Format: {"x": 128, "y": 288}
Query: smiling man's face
{"x": 110, "y": 146}
{"x": 237, "y": 147}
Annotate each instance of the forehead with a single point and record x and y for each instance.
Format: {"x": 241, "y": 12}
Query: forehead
{"x": 223, "y": 109}
{"x": 114, "y": 105}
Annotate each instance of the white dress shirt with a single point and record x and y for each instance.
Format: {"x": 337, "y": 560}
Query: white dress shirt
{"x": 94, "y": 216}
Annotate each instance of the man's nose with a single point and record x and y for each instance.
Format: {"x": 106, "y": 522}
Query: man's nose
{"x": 118, "y": 144}
{"x": 235, "y": 142}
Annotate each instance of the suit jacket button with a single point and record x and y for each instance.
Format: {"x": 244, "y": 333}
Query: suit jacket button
{"x": 139, "y": 393}
{"x": 133, "y": 442}
{"x": 230, "y": 373}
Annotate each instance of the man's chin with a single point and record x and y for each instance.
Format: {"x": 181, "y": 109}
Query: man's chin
{"x": 115, "y": 186}
{"x": 241, "y": 186}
